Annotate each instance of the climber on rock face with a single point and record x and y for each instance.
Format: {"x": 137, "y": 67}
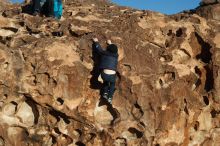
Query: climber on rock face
{"x": 108, "y": 66}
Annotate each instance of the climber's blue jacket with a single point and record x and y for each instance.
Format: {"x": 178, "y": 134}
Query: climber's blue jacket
{"x": 108, "y": 60}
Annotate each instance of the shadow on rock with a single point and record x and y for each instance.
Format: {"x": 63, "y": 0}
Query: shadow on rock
{"x": 94, "y": 83}
{"x": 114, "y": 112}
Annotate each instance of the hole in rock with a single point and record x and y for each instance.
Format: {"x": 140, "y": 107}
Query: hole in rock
{"x": 209, "y": 83}
{"x": 6, "y": 64}
{"x": 58, "y": 115}
{"x": 79, "y": 143}
{"x": 186, "y": 53}
{"x": 53, "y": 82}
{"x": 186, "y": 110}
{"x": 5, "y": 96}
{"x": 198, "y": 82}
{"x": 78, "y": 131}
{"x": 170, "y": 32}
{"x": 60, "y": 100}
{"x": 196, "y": 126}
{"x": 206, "y": 100}
{"x": 138, "y": 133}
{"x": 157, "y": 145}
{"x": 127, "y": 67}
{"x": 8, "y": 38}
{"x": 21, "y": 23}
{"x": 185, "y": 101}
{"x": 167, "y": 57}
{"x": 11, "y": 29}
{"x": 33, "y": 66}
{"x": 15, "y": 103}
{"x": 179, "y": 32}
{"x": 198, "y": 71}
{"x": 87, "y": 33}
{"x": 170, "y": 76}
{"x": 205, "y": 54}
{"x": 137, "y": 111}
{"x": 214, "y": 113}
{"x": 141, "y": 17}
{"x": 142, "y": 124}
{"x": 57, "y": 130}
{"x": 35, "y": 81}
{"x": 161, "y": 82}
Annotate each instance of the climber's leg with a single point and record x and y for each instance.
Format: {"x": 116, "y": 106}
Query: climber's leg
{"x": 111, "y": 87}
{"x": 36, "y": 7}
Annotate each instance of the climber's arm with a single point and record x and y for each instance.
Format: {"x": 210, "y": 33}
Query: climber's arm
{"x": 97, "y": 47}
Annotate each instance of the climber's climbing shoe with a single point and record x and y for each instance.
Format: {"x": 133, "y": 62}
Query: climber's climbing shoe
{"x": 109, "y": 100}
{"x": 105, "y": 96}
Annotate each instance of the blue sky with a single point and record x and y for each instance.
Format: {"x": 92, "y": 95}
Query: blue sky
{"x": 17, "y": 1}
{"x": 163, "y": 6}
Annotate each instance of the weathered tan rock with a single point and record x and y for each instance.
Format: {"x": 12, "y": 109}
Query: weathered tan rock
{"x": 16, "y": 133}
{"x": 9, "y": 109}
{"x": 167, "y": 90}
{"x": 3, "y": 4}
{"x": 210, "y": 10}
{"x": 25, "y": 113}
{"x": 102, "y": 115}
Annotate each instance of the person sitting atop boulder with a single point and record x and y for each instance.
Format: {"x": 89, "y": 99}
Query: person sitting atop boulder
{"x": 50, "y": 8}
{"x": 108, "y": 66}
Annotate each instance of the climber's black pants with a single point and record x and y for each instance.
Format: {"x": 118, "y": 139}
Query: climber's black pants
{"x": 50, "y": 8}
{"x": 109, "y": 84}
{"x": 36, "y": 6}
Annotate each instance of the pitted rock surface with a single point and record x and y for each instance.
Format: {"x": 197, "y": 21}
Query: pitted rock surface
{"x": 168, "y": 83}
